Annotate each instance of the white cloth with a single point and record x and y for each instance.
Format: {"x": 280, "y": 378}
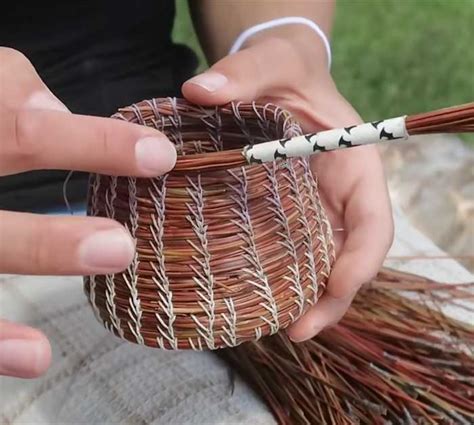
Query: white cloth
{"x": 97, "y": 379}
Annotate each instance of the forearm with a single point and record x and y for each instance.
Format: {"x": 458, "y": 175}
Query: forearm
{"x": 218, "y": 23}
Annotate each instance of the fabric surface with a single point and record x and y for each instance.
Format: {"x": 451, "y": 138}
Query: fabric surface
{"x": 98, "y": 379}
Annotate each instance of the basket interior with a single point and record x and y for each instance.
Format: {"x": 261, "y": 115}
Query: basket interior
{"x": 197, "y": 131}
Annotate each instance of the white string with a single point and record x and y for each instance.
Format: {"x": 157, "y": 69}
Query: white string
{"x": 66, "y": 200}
{"x": 287, "y": 20}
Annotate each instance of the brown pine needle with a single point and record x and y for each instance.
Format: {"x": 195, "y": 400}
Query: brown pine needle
{"x": 392, "y": 358}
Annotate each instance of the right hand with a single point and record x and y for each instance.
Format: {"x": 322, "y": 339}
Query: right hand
{"x": 38, "y": 132}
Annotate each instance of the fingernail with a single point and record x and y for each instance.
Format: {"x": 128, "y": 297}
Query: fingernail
{"x": 45, "y": 101}
{"x": 210, "y": 81}
{"x": 107, "y": 251}
{"x": 23, "y": 358}
{"x": 296, "y": 339}
{"x": 154, "y": 155}
{"x": 301, "y": 338}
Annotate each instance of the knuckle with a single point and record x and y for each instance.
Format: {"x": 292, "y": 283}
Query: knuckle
{"x": 40, "y": 254}
{"x": 104, "y": 141}
{"x": 9, "y": 55}
{"x": 333, "y": 323}
{"x": 341, "y": 292}
{"x": 13, "y": 61}
{"x": 24, "y": 150}
{"x": 372, "y": 274}
{"x": 101, "y": 131}
{"x": 336, "y": 320}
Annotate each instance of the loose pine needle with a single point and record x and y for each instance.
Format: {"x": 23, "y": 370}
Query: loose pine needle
{"x": 392, "y": 359}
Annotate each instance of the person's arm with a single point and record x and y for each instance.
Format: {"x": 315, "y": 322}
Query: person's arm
{"x": 288, "y": 66}
{"x": 219, "y": 23}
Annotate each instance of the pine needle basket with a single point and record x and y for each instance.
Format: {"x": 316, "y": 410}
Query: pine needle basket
{"x": 225, "y": 253}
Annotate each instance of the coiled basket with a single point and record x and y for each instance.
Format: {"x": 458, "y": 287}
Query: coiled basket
{"x": 225, "y": 254}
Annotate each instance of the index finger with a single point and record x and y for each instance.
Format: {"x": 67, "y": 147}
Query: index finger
{"x": 45, "y": 139}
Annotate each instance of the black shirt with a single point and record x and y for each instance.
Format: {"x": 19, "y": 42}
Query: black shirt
{"x": 95, "y": 56}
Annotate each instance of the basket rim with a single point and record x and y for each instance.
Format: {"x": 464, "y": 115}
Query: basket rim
{"x": 222, "y": 159}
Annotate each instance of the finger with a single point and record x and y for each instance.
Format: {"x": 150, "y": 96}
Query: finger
{"x": 36, "y": 136}
{"x": 245, "y": 75}
{"x": 52, "y": 245}
{"x": 327, "y": 312}
{"x": 21, "y": 86}
{"x": 39, "y": 139}
{"x": 24, "y": 352}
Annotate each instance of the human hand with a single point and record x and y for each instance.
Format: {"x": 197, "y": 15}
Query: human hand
{"x": 38, "y": 132}
{"x": 288, "y": 67}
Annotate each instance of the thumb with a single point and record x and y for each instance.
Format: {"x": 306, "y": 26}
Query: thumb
{"x": 246, "y": 75}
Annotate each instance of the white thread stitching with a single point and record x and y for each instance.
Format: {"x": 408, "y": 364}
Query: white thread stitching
{"x": 297, "y": 197}
{"x": 204, "y": 279}
{"x": 231, "y": 321}
{"x": 110, "y": 196}
{"x": 316, "y": 206}
{"x": 213, "y": 123}
{"x": 130, "y": 276}
{"x": 242, "y": 124}
{"x": 158, "y": 194}
{"x": 175, "y": 133}
{"x": 94, "y": 211}
{"x": 251, "y": 253}
{"x": 288, "y": 243}
{"x": 307, "y": 181}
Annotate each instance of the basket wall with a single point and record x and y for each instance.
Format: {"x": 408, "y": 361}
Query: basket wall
{"x": 223, "y": 255}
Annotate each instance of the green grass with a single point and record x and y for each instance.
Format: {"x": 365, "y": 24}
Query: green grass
{"x": 394, "y": 57}
{"x": 183, "y": 31}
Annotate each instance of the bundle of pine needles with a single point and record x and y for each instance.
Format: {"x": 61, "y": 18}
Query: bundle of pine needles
{"x": 395, "y": 358}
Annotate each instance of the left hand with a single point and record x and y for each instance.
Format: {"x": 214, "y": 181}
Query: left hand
{"x": 290, "y": 70}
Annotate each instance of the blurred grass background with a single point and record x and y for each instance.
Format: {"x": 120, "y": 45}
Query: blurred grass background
{"x": 393, "y": 57}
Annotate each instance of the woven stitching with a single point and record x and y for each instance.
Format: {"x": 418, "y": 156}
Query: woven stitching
{"x": 325, "y": 233}
{"x": 115, "y": 322}
{"x": 130, "y": 276}
{"x": 231, "y": 320}
{"x": 213, "y": 123}
{"x": 174, "y": 132}
{"x": 288, "y": 243}
{"x": 203, "y": 277}
{"x": 308, "y": 179}
{"x": 302, "y": 219}
{"x": 242, "y": 124}
{"x": 158, "y": 194}
{"x": 94, "y": 211}
{"x": 263, "y": 122}
{"x": 258, "y": 278}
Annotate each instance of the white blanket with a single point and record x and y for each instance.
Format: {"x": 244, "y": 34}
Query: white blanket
{"x": 97, "y": 379}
